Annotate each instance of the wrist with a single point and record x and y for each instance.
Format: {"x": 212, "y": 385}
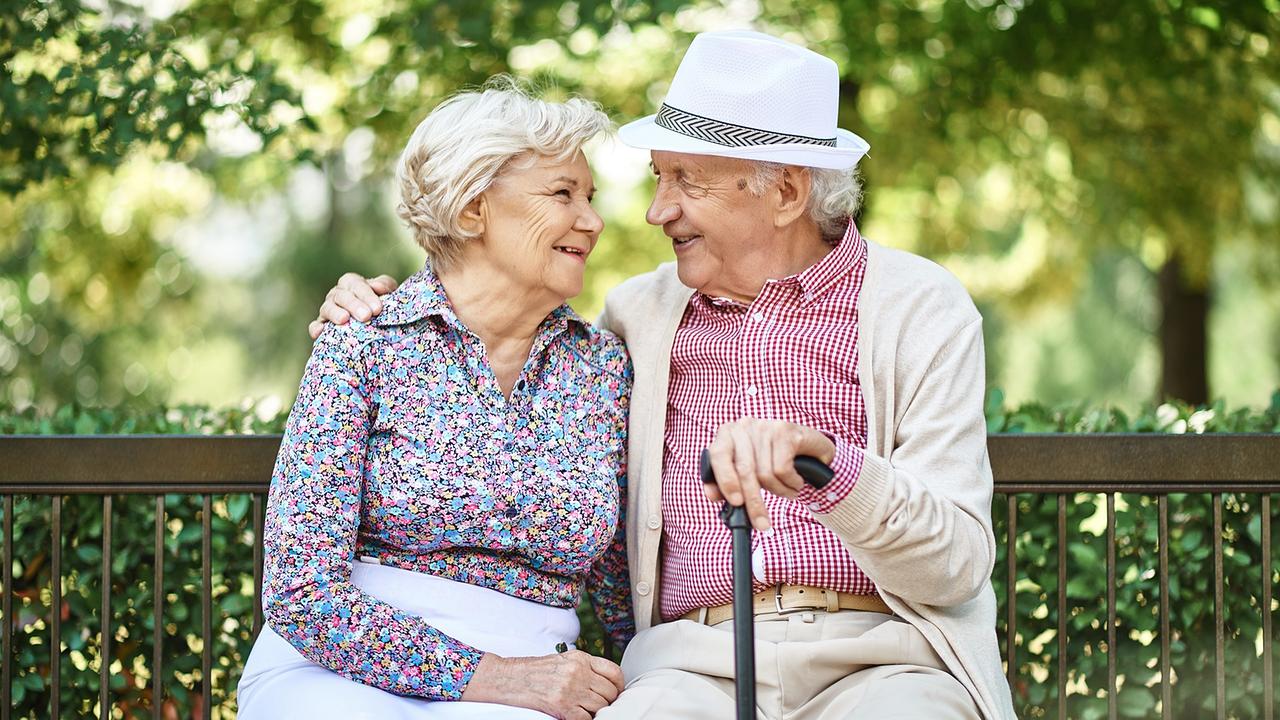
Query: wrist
{"x": 486, "y": 681}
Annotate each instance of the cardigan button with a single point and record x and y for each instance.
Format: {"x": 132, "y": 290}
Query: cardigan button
{"x": 642, "y": 588}
{"x": 654, "y": 523}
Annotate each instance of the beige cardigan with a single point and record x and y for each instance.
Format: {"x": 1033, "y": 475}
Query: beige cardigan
{"x": 918, "y": 522}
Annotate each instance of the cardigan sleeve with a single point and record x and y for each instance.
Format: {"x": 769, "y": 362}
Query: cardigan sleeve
{"x": 313, "y": 515}
{"x": 920, "y": 526}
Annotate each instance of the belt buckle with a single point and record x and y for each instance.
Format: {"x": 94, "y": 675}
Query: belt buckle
{"x": 777, "y": 603}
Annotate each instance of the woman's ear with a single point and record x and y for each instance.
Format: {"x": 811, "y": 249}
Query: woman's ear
{"x": 471, "y": 219}
{"x": 793, "y": 189}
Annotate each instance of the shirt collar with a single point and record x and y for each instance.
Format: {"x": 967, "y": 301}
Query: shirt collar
{"x": 812, "y": 282}
{"x": 820, "y": 277}
{"x": 423, "y": 295}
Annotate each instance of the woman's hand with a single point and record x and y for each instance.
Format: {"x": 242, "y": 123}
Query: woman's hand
{"x": 571, "y": 685}
{"x": 354, "y": 295}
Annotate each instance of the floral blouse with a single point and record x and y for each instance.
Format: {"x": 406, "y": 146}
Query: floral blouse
{"x": 402, "y": 447}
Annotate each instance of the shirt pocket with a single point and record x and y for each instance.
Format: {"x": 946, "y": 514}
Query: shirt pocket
{"x": 832, "y": 405}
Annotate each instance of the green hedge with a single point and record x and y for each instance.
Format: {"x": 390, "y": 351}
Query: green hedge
{"x": 1035, "y": 692}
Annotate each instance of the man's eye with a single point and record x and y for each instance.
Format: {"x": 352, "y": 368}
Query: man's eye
{"x": 691, "y": 189}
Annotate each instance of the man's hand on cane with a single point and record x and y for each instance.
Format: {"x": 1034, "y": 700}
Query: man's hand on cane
{"x": 751, "y": 454}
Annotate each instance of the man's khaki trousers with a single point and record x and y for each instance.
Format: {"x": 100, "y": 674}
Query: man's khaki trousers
{"x": 809, "y": 666}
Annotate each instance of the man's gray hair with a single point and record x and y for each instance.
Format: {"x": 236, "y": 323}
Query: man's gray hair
{"x": 834, "y": 197}
{"x": 464, "y": 144}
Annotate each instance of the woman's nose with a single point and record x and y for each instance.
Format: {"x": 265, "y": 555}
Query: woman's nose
{"x": 590, "y": 221}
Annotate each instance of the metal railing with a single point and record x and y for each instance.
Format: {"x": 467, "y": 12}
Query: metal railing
{"x": 1056, "y": 466}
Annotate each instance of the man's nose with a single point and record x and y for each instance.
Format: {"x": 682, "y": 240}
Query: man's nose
{"x": 661, "y": 211}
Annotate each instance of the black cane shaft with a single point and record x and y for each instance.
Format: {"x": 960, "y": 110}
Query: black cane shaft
{"x": 817, "y": 474}
{"x": 744, "y": 656}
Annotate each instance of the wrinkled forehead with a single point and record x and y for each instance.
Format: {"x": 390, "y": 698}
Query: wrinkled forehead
{"x": 540, "y": 168}
{"x": 662, "y": 161}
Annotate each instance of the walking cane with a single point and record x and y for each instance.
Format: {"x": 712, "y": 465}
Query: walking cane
{"x": 817, "y": 475}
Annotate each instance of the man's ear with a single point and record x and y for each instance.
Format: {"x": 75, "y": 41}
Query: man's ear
{"x": 471, "y": 219}
{"x": 793, "y": 188}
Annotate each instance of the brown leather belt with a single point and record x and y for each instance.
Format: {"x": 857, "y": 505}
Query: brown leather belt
{"x": 787, "y": 599}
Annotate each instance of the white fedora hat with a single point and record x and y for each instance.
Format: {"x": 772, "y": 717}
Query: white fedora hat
{"x": 748, "y": 95}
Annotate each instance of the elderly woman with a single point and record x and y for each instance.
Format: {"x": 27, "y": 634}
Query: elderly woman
{"x": 451, "y": 474}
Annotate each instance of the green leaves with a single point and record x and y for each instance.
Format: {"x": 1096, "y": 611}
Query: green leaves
{"x": 88, "y": 91}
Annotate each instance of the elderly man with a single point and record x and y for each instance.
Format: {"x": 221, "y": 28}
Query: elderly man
{"x": 779, "y": 332}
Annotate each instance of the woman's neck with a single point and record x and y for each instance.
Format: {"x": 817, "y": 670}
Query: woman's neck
{"x": 498, "y": 312}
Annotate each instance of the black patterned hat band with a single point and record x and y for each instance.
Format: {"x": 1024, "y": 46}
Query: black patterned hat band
{"x": 726, "y": 133}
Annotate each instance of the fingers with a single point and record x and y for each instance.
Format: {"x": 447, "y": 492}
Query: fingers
{"x": 361, "y": 293}
{"x": 346, "y": 301}
{"x": 733, "y": 461}
{"x": 383, "y": 284}
{"x": 744, "y": 438}
{"x": 721, "y": 454}
{"x": 782, "y": 459}
{"x": 610, "y": 672}
{"x": 353, "y": 296}
{"x": 751, "y": 455}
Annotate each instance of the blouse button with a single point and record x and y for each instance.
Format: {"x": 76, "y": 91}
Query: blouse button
{"x": 642, "y": 588}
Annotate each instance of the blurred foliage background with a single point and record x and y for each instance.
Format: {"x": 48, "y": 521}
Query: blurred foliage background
{"x": 182, "y": 180}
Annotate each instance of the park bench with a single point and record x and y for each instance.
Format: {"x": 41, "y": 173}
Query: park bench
{"x": 1057, "y": 501}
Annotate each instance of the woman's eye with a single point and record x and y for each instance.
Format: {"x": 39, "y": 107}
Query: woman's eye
{"x": 564, "y": 192}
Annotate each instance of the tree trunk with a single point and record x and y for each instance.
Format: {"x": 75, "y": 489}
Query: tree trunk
{"x": 1184, "y": 333}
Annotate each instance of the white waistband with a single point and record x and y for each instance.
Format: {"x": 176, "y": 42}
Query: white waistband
{"x": 482, "y": 618}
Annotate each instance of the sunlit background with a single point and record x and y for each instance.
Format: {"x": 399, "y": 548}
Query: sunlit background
{"x": 180, "y": 183}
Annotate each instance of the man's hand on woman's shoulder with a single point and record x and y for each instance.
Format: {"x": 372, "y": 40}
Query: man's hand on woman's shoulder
{"x": 354, "y": 296}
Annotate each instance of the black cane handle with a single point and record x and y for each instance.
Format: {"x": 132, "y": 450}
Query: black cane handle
{"x": 814, "y": 472}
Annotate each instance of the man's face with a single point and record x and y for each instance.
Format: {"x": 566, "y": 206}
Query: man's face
{"x": 721, "y": 232}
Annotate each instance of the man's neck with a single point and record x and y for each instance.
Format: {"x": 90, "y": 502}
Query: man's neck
{"x": 796, "y": 248}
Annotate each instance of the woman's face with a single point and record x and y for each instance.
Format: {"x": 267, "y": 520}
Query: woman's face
{"x": 539, "y": 226}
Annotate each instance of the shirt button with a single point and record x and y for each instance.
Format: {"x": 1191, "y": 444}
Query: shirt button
{"x": 642, "y": 588}
{"x": 752, "y": 390}
{"x": 758, "y": 317}
{"x": 832, "y": 496}
{"x": 654, "y": 522}
{"x": 815, "y": 507}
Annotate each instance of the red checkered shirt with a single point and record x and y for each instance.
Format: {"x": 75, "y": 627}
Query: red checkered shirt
{"x": 792, "y": 355}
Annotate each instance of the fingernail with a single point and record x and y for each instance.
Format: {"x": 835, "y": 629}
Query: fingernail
{"x": 362, "y": 315}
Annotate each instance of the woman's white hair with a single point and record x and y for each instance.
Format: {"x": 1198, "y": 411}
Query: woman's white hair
{"x": 463, "y": 145}
{"x": 834, "y": 197}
